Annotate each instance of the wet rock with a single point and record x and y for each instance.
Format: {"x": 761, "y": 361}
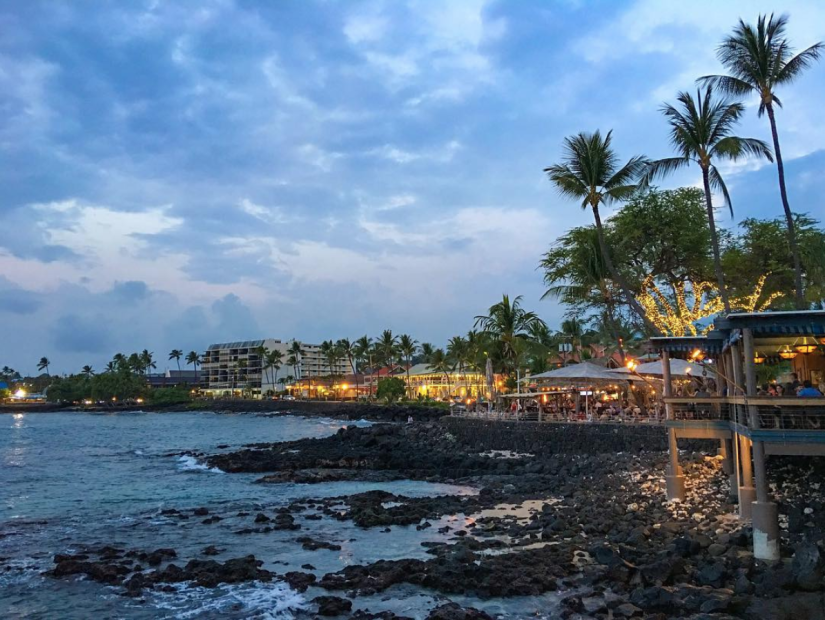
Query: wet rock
{"x": 159, "y": 555}
{"x": 200, "y": 512}
{"x": 332, "y": 605}
{"x": 454, "y": 611}
{"x": 807, "y": 568}
{"x": 211, "y": 550}
{"x": 262, "y": 518}
{"x": 299, "y": 581}
{"x": 311, "y": 544}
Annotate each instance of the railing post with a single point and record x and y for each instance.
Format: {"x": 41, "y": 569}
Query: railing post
{"x": 674, "y": 478}
{"x": 764, "y": 513}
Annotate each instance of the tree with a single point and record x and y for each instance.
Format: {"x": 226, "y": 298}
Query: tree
{"x": 363, "y": 353}
{"x": 507, "y": 324}
{"x": 458, "y": 350}
{"x": 761, "y": 249}
{"x": 441, "y": 363}
{"x": 760, "y": 59}
{"x": 146, "y": 361}
{"x": 407, "y": 346}
{"x": 701, "y": 133}
{"x": 426, "y": 352}
{"x": 348, "y": 351}
{"x": 391, "y": 389}
{"x": 87, "y": 371}
{"x": 176, "y": 354}
{"x": 120, "y": 361}
{"x": 43, "y": 364}
{"x": 273, "y": 361}
{"x": 111, "y": 367}
{"x": 296, "y": 352}
{"x": 590, "y": 172}
{"x": 387, "y": 346}
{"x": 193, "y": 359}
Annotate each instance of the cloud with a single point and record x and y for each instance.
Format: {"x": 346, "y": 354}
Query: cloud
{"x": 75, "y": 334}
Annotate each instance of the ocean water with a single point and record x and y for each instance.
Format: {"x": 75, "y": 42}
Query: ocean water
{"x": 74, "y": 479}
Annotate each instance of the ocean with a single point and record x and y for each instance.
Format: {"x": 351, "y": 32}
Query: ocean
{"x": 71, "y": 480}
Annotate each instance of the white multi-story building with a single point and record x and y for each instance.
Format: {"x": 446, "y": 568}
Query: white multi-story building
{"x": 236, "y": 367}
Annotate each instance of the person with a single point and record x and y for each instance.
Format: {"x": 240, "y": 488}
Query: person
{"x": 772, "y": 390}
{"x": 702, "y": 392}
{"x": 808, "y": 391}
{"x": 780, "y": 389}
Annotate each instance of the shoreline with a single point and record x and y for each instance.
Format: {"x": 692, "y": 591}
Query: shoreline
{"x": 591, "y": 528}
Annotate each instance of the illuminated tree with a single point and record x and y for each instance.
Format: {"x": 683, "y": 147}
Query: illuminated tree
{"x": 679, "y": 317}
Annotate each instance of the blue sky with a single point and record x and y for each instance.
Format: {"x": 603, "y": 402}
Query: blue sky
{"x": 178, "y": 173}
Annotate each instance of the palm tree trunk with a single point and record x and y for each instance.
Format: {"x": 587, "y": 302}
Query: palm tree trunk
{"x": 617, "y": 277}
{"x": 780, "y": 167}
{"x": 611, "y": 319}
{"x": 714, "y": 240}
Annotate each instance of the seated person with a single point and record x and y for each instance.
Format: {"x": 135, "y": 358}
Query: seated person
{"x": 808, "y": 390}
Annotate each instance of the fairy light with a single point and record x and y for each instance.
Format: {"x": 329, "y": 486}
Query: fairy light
{"x": 680, "y": 319}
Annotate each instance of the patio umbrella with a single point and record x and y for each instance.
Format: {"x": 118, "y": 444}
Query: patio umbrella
{"x": 488, "y": 373}
{"x": 584, "y": 374}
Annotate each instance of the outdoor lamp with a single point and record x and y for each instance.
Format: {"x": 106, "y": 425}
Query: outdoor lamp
{"x": 806, "y": 346}
{"x": 786, "y": 353}
{"x": 758, "y": 358}
{"x": 697, "y": 355}
{"x": 631, "y": 365}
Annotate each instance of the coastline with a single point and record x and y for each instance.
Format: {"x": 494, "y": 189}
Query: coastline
{"x": 588, "y": 527}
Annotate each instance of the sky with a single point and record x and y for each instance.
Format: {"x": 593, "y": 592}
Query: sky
{"x": 174, "y": 174}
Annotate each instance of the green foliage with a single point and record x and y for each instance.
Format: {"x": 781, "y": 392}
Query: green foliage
{"x": 391, "y": 389}
{"x": 762, "y": 248}
{"x": 169, "y": 396}
{"x": 122, "y": 385}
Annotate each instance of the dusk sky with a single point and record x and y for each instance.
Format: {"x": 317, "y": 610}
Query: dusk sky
{"x": 179, "y": 173}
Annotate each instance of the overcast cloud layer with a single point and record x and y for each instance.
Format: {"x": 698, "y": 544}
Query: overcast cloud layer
{"x": 180, "y": 173}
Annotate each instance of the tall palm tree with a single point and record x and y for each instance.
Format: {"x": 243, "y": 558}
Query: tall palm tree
{"x": 387, "y": 345}
{"x": 363, "y": 353}
{"x": 760, "y": 59}
{"x": 407, "y": 346}
{"x": 273, "y": 361}
{"x": 111, "y": 367}
{"x": 441, "y": 363}
{"x": 458, "y": 350}
{"x": 296, "y": 350}
{"x": 508, "y": 324}
{"x": 426, "y": 351}
{"x": 146, "y": 361}
{"x": 590, "y": 172}
{"x": 176, "y": 354}
{"x": 43, "y": 364}
{"x": 134, "y": 363}
{"x": 348, "y": 350}
{"x": 120, "y": 361}
{"x": 87, "y": 371}
{"x": 700, "y": 131}
{"x": 193, "y": 359}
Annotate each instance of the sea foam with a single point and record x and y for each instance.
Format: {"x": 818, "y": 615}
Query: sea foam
{"x": 190, "y": 463}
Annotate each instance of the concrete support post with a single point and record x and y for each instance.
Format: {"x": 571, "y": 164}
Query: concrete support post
{"x": 674, "y": 478}
{"x": 730, "y": 466}
{"x": 764, "y": 512}
{"x": 747, "y": 492}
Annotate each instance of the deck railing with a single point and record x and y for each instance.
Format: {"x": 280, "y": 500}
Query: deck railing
{"x": 764, "y": 413}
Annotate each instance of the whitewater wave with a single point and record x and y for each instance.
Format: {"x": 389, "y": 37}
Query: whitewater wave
{"x": 190, "y": 463}
{"x": 263, "y": 601}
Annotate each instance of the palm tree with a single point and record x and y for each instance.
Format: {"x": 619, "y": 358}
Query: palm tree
{"x": 348, "y": 350}
{"x": 458, "y": 350}
{"x": 176, "y": 354}
{"x": 701, "y": 132}
{"x": 87, "y": 371}
{"x": 407, "y": 346}
{"x": 441, "y": 362}
{"x": 146, "y": 361}
{"x": 588, "y": 281}
{"x": 508, "y": 325}
{"x": 296, "y": 351}
{"x": 426, "y": 352}
{"x": 120, "y": 361}
{"x": 331, "y": 355}
{"x": 134, "y": 363}
{"x": 759, "y": 60}
{"x": 43, "y": 364}
{"x": 387, "y": 346}
{"x": 363, "y": 353}
{"x": 273, "y": 361}
{"x": 590, "y": 172}
{"x": 111, "y": 367}
{"x": 193, "y": 359}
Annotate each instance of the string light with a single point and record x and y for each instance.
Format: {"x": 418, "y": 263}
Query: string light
{"x": 681, "y": 319}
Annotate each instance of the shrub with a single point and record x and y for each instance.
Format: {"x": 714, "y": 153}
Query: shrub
{"x": 391, "y": 389}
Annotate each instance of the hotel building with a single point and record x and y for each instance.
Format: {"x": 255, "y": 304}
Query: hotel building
{"x": 237, "y": 367}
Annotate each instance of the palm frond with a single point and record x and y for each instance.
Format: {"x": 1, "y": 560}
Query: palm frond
{"x": 804, "y": 59}
{"x": 661, "y": 168}
{"x": 734, "y": 148}
{"x": 727, "y": 84}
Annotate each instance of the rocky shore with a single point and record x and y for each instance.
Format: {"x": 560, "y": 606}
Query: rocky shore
{"x": 594, "y": 529}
